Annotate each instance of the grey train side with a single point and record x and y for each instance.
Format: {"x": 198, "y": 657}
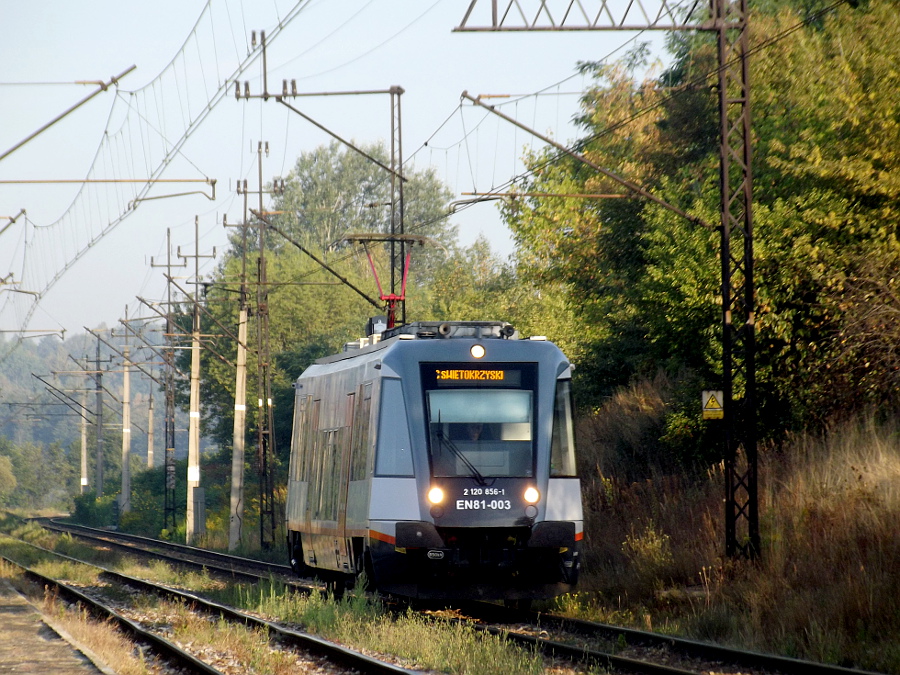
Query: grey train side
{"x": 411, "y": 459}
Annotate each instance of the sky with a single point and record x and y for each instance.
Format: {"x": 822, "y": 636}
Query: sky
{"x": 53, "y": 55}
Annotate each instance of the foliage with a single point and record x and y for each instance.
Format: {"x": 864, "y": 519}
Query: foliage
{"x": 825, "y": 587}
{"x": 826, "y": 249}
{"x": 44, "y": 476}
{"x": 8, "y": 480}
{"x": 93, "y": 511}
{"x": 331, "y": 192}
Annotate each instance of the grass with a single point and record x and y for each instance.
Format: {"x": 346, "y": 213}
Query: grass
{"x": 356, "y": 620}
{"x": 361, "y": 621}
{"x": 826, "y": 586}
{"x": 106, "y": 644}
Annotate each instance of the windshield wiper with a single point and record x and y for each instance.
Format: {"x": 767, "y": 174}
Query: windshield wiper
{"x": 450, "y": 445}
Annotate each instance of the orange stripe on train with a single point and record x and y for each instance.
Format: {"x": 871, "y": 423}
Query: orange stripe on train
{"x": 381, "y": 536}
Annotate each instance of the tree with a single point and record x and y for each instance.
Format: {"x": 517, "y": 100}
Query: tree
{"x": 331, "y": 192}
{"x": 826, "y": 214}
{"x": 7, "y": 479}
{"x": 334, "y": 191}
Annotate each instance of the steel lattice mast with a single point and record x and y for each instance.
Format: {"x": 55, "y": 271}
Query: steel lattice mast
{"x": 729, "y": 20}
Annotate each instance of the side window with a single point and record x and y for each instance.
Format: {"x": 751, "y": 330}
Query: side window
{"x": 394, "y": 453}
{"x": 310, "y": 438}
{"x": 361, "y": 432}
{"x": 297, "y": 447}
{"x": 562, "y": 448}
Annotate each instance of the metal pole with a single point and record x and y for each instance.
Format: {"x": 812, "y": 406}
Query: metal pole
{"x": 265, "y": 418}
{"x": 738, "y": 301}
{"x": 103, "y": 87}
{"x": 98, "y": 378}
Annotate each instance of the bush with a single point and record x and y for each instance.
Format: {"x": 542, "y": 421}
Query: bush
{"x": 94, "y": 512}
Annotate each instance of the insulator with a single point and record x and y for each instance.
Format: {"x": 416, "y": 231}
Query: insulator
{"x": 284, "y": 88}
{"x": 253, "y": 39}
{"x": 237, "y": 91}
{"x": 246, "y": 89}
{"x": 294, "y": 87}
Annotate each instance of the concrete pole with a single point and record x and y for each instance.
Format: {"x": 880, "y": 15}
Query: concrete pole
{"x": 150, "y": 431}
{"x": 237, "y": 452}
{"x": 196, "y": 510}
{"x": 194, "y": 525}
{"x": 84, "y": 449}
{"x": 125, "y": 496}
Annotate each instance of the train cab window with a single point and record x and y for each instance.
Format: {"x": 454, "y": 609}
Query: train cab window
{"x": 394, "y": 453}
{"x": 480, "y": 421}
{"x": 562, "y": 448}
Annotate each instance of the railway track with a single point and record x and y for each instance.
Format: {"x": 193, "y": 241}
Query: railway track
{"x": 324, "y": 656}
{"x": 585, "y": 644}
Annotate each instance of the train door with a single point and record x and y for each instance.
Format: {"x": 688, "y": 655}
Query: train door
{"x": 342, "y": 546}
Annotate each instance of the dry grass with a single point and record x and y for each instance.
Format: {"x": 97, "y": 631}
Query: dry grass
{"x": 106, "y": 643}
{"x": 357, "y": 620}
{"x": 826, "y": 587}
{"x": 361, "y": 621}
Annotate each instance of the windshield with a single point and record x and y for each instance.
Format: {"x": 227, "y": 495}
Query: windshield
{"x": 483, "y": 431}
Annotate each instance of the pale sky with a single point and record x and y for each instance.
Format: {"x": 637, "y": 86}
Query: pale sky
{"x": 328, "y": 46}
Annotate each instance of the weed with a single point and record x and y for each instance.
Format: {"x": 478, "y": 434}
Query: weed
{"x": 825, "y": 587}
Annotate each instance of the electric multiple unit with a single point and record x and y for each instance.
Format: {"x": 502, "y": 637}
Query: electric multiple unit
{"x": 440, "y": 461}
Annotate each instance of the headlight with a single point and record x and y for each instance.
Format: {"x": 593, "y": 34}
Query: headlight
{"x": 477, "y": 351}
{"x": 532, "y": 495}
{"x": 435, "y": 495}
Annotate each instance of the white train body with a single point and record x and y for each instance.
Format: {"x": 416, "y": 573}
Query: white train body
{"x": 440, "y": 461}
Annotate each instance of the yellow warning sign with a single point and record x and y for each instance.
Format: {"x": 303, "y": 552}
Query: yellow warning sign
{"x": 712, "y": 405}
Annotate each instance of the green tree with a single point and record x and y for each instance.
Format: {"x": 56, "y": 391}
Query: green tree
{"x": 7, "y": 479}
{"x": 826, "y": 214}
{"x": 331, "y": 192}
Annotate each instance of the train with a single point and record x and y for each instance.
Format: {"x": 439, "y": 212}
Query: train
{"x": 438, "y": 460}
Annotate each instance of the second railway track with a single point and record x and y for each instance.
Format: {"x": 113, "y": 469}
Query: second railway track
{"x": 584, "y": 644}
{"x": 122, "y": 599}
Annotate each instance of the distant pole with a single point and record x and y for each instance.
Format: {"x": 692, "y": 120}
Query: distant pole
{"x": 169, "y": 509}
{"x": 196, "y": 516}
{"x": 265, "y": 417}
{"x": 84, "y": 450}
{"x": 125, "y": 496}
{"x": 170, "y": 512}
{"x": 238, "y": 450}
{"x": 150, "y": 435}
{"x": 398, "y": 262}
{"x": 194, "y": 527}
{"x": 98, "y": 379}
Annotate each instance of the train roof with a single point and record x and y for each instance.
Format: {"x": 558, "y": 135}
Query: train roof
{"x": 425, "y": 330}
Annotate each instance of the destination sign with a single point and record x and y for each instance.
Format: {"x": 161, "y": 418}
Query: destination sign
{"x": 470, "y": 374}
{"x": 467, "y": 375}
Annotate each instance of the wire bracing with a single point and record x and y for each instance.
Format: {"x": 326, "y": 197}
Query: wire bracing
{"x": 146, "y": 130}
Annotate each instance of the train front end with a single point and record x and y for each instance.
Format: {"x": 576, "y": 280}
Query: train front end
{"x": 498, "y": 499}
